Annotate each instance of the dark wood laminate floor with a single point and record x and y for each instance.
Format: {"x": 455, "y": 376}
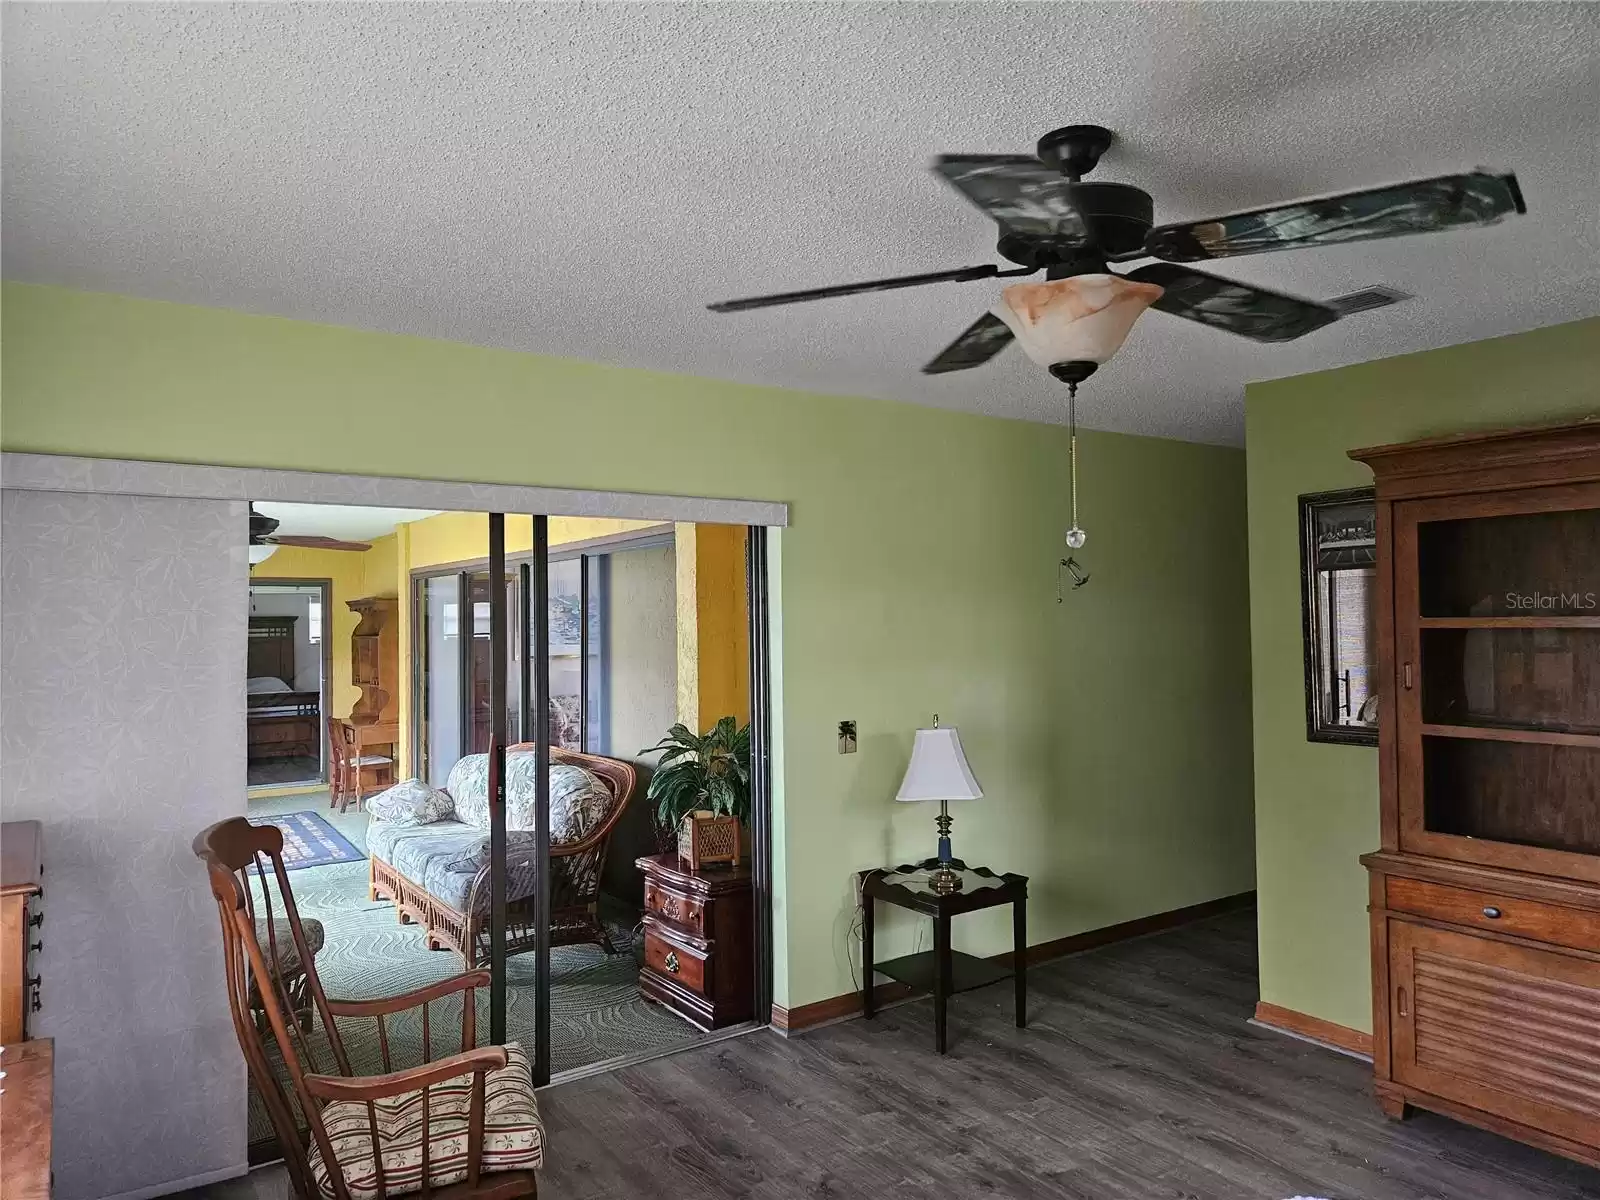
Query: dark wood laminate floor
{"x": 1137, "y": 1078}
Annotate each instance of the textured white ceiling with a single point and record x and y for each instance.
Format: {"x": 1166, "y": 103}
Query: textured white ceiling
{"x": 348, "y": 522}
{"x": 580, "y": 179}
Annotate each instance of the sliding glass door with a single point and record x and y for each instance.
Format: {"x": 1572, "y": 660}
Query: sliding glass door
{"x": 580, "y": 652}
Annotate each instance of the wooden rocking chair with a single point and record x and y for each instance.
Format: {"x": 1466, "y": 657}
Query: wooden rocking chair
{"x": 463, "y": 1126}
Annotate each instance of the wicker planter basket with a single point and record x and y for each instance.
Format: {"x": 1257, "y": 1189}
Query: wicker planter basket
{"x": 704, "y": 839}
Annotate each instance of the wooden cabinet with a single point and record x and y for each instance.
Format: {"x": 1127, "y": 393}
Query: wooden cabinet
{"x": 699, "y": 949}
{"x": 1485, "y": 897}
{"x": 21, "y": 879}
{"x": 375, "y": 660}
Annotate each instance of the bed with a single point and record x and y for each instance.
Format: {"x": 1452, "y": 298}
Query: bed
{"x": 280, "y": 721}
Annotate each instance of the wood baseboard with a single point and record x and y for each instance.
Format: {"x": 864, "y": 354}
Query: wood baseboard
{"x": 836, "y": 1008}
{"x": 1286, "y": 1020}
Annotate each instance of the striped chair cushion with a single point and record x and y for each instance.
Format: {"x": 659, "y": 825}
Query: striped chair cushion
{"x": 513, "y": 1137}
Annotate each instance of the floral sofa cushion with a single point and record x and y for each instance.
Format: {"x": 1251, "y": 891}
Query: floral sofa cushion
{"x": 410, "y": 802}
{"x": 448, "y": 857}
{"x": 579, "y": 799}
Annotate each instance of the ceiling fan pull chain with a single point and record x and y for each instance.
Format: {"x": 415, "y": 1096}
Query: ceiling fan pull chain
{"x": 1072, "y": 422}
{"x": 1075, "y": 536}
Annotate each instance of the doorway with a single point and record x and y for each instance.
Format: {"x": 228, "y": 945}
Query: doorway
{"x": 288, "y": 673}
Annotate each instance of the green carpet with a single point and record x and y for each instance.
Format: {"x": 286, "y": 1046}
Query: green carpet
{"x": 596, "y": 1011}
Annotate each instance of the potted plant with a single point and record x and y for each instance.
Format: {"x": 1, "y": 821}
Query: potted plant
{"x": 704, "y": 779}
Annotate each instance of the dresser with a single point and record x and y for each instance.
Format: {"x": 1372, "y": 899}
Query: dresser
{"x": 26, "y": 1120}
{"x": 1485, "y": 894}
{"x": 699, "y": 941}
{"x": 21, "y": 879}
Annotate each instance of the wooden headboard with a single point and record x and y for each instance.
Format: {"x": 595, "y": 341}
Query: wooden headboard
{"x": 271, "y": 649}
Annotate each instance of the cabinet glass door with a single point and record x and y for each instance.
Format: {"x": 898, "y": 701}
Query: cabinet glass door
{"x": 1498, "y": 651}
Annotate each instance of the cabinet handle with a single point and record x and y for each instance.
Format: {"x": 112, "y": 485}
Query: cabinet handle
{"x": 672, "y": 961}
{"x": 1402, "y": 998}
{"x": 1408, "y": 676}
{"x": 1492, "y": 913}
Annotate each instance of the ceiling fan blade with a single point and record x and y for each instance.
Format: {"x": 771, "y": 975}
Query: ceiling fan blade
{"x": 960, "y": 275}
{"x": 1239, "y": 308}
{"x": 1421, "y": 206}
{"x": 1021, "y": 193}
{"x": 312, "y": 542}
{"x": 978, "y": 343}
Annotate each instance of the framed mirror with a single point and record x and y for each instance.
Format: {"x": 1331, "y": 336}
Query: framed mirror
{"x": 1338, "y": 577}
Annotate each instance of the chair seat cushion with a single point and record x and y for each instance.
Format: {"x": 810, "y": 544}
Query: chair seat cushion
{"x": 281, "y": 937}
{"x": 513, "y": 1136}
{"x": 447, "y": 857}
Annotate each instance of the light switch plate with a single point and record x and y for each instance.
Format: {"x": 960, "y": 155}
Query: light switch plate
{"x": 847, "y": 737}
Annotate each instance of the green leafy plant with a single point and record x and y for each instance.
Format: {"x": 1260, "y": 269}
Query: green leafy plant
{"x": 710, "y": 770}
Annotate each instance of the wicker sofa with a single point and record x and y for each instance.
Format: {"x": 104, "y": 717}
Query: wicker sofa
{"x": 436, "y": 871}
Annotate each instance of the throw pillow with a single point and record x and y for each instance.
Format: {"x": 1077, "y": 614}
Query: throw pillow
{"x": 411, "y": 802}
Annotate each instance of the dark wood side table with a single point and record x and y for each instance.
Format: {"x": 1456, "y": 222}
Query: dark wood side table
{"x": 944, "y": 971}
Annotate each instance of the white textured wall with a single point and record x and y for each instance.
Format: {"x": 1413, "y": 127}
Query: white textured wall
{"x": 644, "y": 650}
{"x": 122, "y": 632}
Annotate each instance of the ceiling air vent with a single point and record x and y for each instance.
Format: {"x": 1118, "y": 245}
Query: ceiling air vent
{"x": 1368, "y": 299}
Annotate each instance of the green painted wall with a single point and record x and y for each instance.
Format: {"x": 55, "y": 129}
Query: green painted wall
{"x": 1317, "y": 805}
{"x": 1111, "y": 732}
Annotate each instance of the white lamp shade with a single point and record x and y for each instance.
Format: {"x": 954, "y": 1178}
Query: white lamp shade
{"x": 260, "y": 553}
{"x": 1082, "y": 319}
{"x": 938, "y": 769}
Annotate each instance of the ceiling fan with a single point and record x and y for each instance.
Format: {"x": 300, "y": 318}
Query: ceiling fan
{"x": 1052, "y": 221}
{"x": 264, "y": 539}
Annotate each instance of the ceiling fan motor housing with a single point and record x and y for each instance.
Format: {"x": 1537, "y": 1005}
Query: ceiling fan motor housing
{"x": 1117, "y": 217}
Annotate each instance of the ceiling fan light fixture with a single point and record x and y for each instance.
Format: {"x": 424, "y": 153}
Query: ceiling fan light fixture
{"x": 260, "y": 552}
{"x": 1083, "y": 319}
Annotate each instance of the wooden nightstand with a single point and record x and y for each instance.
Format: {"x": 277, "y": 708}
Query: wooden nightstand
{"x": 699, "y": 948}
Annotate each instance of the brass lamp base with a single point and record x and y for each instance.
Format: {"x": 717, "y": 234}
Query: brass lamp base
{"x": 944, "y": 881}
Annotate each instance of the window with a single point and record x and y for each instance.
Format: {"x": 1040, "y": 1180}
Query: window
{"x": 314, "y": 621}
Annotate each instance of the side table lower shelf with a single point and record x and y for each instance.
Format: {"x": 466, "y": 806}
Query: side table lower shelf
{"x": 967, "y": 971}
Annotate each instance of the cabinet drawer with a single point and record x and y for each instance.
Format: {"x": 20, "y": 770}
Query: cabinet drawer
{"x": 1552, "y": 923}
{"x": 688, "y": 911}
{"x": 675, "y": 960}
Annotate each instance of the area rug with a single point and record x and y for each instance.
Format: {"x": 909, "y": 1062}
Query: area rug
{"x": 309, "y": 841}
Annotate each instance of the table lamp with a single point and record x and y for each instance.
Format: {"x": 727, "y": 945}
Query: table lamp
{"x": 938, "y": 770}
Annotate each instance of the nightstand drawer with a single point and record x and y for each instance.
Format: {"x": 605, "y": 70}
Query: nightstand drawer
{"x": 1552, "y": 923}
{"x": 688, "y": 911}
{"x": 679, "y": 961}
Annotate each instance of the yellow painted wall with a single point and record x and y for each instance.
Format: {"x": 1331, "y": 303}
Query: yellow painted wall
{"x": 723, "y": 623}
{"x": 684, "y": 539}
{"x": 713, "y": 625}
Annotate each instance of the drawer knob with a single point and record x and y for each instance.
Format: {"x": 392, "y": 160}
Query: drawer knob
{"x": 672, "y": 961}
{"x": 1491, "y": 912}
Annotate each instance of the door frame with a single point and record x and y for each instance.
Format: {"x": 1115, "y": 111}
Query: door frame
{"x": 325, "y": 701}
